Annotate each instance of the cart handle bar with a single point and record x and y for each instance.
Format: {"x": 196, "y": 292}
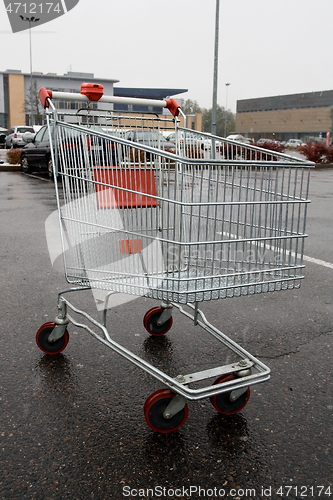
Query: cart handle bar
{"x": 94, "y": 92}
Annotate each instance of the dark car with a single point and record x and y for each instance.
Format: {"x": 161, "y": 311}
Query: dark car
{"x": 2, "y": 140}
{"x": 75, "y": 148}
{"x": 37, "y": 154}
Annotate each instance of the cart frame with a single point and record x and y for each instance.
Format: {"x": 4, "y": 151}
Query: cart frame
{"x": 248, "y": 370}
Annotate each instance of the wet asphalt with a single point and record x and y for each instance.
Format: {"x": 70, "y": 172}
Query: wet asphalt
{"x": 72, "y": 425}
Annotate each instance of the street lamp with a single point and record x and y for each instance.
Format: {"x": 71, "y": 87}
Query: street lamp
{"x": 214, "y": 107}
{"x": 226, "y": 110}
{"x": 30, "y": 20}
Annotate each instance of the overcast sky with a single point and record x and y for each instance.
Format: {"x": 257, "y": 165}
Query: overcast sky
{"x": 265, "y": 48}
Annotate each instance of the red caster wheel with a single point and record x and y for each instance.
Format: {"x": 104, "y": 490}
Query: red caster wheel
{"x": 150, "y": 322}
{"x": 154, "y": 408}
{"x": 160, "y": 391}
{"x": 50, "y": 347}
{"x": 222, "y": 403}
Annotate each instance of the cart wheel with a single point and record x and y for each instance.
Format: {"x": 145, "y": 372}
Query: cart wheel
{"x": 222, "y": 403}
{"x": 151, "y": 397}
{"x": 154, "y": 408}
{"x": 50, "y": 347}
{"x": 150, "y": 322}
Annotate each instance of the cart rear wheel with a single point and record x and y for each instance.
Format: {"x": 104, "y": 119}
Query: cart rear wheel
{"x": 154, "y": 408}
{"x": 222, "y": 403}
{"x": 50, "y": 347}
{"x": 150, "y": 322}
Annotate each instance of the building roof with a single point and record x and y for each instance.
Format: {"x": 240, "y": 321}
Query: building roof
{"x": 70, "y": 75}
{"x": 321, "y": 99}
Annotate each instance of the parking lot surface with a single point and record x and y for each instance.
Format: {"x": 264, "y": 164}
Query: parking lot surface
{"x": 72, "y": 425}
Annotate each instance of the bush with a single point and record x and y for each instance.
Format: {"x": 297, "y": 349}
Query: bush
{"x": 317, "y": 152}
{"x": 272, "y": 146}
{"x": 14, "y": 156}
{"x": 329, "y": 154}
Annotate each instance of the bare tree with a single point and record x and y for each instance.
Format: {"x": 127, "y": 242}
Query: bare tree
{"x": 33, "y": 104}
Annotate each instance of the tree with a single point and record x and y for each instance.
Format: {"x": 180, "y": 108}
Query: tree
{"x": 225, "y": 121}
{"x": 32, "y": 103}
{"x": 190, "y": 107}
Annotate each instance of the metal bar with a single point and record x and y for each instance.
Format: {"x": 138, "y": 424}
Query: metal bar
{"x": 191, "y": 394}
{"x": 71, "y": 96}
{"x": 215, "y": 372}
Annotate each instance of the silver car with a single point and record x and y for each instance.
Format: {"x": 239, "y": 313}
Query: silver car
{"x": 14, "y": 137}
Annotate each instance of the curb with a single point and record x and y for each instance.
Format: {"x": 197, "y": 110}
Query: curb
{"x": 323, "y": 165}
{"x": 7, "y": 167}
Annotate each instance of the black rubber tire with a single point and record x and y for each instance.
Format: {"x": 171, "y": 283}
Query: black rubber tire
{"x": 154, "y": 408}
{"x": 25, "y": 167}
{"x": 222, "y": 403}
{"x": 150, "y": 322}
{"x": 50, "y": 347}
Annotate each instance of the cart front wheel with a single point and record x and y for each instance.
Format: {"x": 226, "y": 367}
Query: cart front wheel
{"x": 222, "y": 402}
{"x": 50, "y": 347}
{"x": 154, "y": 408}
{"x": 150, "y": 322}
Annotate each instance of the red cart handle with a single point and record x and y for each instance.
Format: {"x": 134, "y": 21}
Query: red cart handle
{"x": 44, "y": 96}
{"x": 94, "y": 92}
{"x": 173, "y": 107}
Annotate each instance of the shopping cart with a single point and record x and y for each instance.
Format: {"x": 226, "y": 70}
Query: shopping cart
{"x": 210, "y": 220}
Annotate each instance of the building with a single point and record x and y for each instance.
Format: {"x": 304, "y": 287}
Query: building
{"x": 306, "y": 116}
{"x": 15, "y": 94}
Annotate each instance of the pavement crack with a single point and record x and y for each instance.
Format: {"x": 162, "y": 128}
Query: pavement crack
{"x": 298, "y": 348}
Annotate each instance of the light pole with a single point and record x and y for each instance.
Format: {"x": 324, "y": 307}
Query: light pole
{"x": 30, "y": 20}
{"x": 214, "y": 107}
{"x": 226, "y": 110}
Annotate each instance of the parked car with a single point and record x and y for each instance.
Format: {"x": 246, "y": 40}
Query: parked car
{"x": 150, "y": 138}
{"x": 294, "y": 143}
{"x": 239, "y": 138}
{"x": 36, "y": 155}
{"x": 194, "y": 139}
{"x": 171, "y": 136}
{"x": 263, "y": 140}
{"x": 2, "y": 140}
{"x": 14, "y": 137}
{"x": 167, "y": 133}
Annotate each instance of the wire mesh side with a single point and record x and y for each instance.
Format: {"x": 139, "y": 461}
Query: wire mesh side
{"x": 205, "y": 146}
{"x": 245, "y": 227}
{"x": 146, "y": 222}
